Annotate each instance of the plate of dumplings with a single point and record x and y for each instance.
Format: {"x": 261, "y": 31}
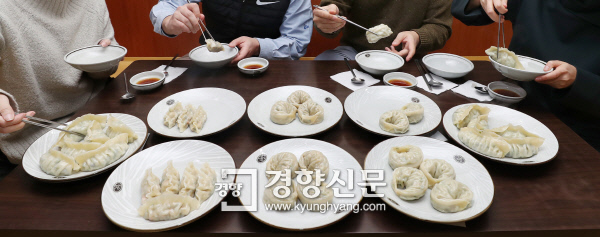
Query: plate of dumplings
{"x": 299, "y": 158}
{"x": 393, "y": 111}
{"x": 196, "y": 112}
{"x": 167, "y": 186}
{"x": 295, "y": 111}
{"x": 109, "y": 140}
{"x": 431, "y": 180}
{"x": 501, "y": 134}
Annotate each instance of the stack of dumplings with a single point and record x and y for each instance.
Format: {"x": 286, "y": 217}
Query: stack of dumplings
{"x": 173, "y": 198}
{"x": 398, "y": 121}
{"x": 191, "y": 117}
{"x": 412, "y": 177}
{"x": 106, "y": 140}
{"x": 298, "y": 103}
{"x": 286, "y": 162}
{"x": 506, "y": 141}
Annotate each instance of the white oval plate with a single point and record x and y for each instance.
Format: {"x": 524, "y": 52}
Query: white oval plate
{"x": 366, "y": 105}
{"x": 223, "y": 109}
{"x": 468, "y": 171}
{"x": 121, "y": 207}
{"x": 338, "y": 159}
{"x": 31, "y": 159}
{"x": 259, "y": 111}
{"x": 500, "y": 116}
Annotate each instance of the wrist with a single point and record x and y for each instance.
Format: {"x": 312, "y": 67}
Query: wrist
{"x": 257, "y": 48}
{"x": 164, "y": 25}
{"x": 417, "y": 38}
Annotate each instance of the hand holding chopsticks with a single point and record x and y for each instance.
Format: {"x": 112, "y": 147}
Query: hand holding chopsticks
{"x": 32, "y": 119}
{"x": 345, "y": 19}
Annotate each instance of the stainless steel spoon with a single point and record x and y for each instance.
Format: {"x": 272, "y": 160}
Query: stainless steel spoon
{"x": 128, "y": 95}
{"x": 168, "y": 65}
{"x": 480, "y": 89}
{"x": 355, "y": 79}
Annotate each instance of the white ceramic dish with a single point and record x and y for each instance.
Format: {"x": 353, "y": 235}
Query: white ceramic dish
{"x": 468, "y": 171}
{"x": 259, "y": 111}
{"x": 533, "y": 68}
{"x": 338, "y": 159}
{"x": 121, "y": 195}
{"x": 507, "y": 86}
{"x": 402, "y": 76}
{"x": 31, "y": 159}
{"x": 223, "y": 109}
{"x": 366, "y": 105}
{"x": 96, "y": 58}
{"x": 250, "y": 61}
{"x": 145, "y": 75}
{"x": 379, "y": 62}
{"x": 202, "y": 57}
{"x": 500, "y": 116}
{"x": 448, "y": 65}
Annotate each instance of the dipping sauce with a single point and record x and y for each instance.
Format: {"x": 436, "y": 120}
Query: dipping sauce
{"x": 400, "y": 82}
{"x": 506, "y": 92}
{"x": 147, "y": 81}
{"x": 253, "y": 66}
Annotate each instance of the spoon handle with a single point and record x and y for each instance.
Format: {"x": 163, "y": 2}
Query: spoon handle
{"x": 125, "y": 77}
{"x": 172, "y": 60}
{"x": 350, "y": 67}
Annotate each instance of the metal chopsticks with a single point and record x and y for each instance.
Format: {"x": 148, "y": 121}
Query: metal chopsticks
{"x": 346, "y": 19}
{"x": 207, "y": 31}
{"x": 48, "y": 126}
{"x": 418, "y": 62}
{"x": 500, "y": 30}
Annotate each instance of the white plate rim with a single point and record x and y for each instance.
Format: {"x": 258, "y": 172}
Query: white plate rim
{"x": 402, "y": 62}
{"x": 447, "y": 123}
{"x": 472, "y": 66}
{"x": 94, "y": 46}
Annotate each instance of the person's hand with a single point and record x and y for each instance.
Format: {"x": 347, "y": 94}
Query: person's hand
{"x": 248, "y": 47}
{"x": 185, "y": 19}
{"x": 410, "y": 41}
{"x": 104, "y": 43}
{"x": 328, "y": 22}
{"x": 9, "y": 122}
{"x": 491, "y": 6}
{"x": 563, "y": 76}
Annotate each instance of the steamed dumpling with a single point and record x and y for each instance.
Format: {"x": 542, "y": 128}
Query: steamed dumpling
{"x": 311, "y": 113}
{"x": 523, "y": 144}
{"x": 394, "y": 121}
{"x": 170, "y": 180}
{"x": 314, "y": 160}
{"x": 189, "y": 181}
{"x": 381, "y": 31}
{"x": 467, "y": 113}
{"x": 507, "y": 58}
{"x": 283, "y": 112}
{"x": 198, "y": 119}
{"x": 409, "y": 183}
{"x": 183, "y": 121}
{"x": 57, "y": 163}
{"x": 414, "y": 112}
{"x": 175, "y": 110}
{"x": 281, "y": 162}
{"x": 451, "y": 196}
{"x": 150, "y": 185}
{"x": 116, "y": 127}
{"x": 298, "y": 98}
{"x": 405, "y": 156}
{"x": 486, "y": 142}
{"x": 207, "y": 177}
{"x": 106, "y": 154}
{"x": 167, "y": 206}
{"x": 437, "y": 170}
{"x": 286, "y": 202}
{"x": 96, "y": 133}
{"x": 214, "y": 46}
{"x": 315, "y": 203}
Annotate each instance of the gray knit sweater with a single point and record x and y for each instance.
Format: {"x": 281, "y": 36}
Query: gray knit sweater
{"x": 34, "y": 37}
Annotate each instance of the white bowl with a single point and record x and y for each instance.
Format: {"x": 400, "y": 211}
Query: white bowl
{"x": 533, "y": 68}
{"x": 96, "y": 58}
{"x": 379, "y": 62}
{"x": 448, "y": 65}
{"x": 254, "y": 60}
{"x": 145, "y": 75}
{"x": 402, "y": 76}
{"x": 201, "y": 56}
{"x": 507, "y": 86}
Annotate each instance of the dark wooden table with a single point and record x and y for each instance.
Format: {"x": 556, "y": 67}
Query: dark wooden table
{"x": 562, "y": 195}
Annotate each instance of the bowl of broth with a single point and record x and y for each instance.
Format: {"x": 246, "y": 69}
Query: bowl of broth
{"x": 253, "y": 66}
{"x": 506, "y": 92}
{"x": 400, "y": 79}
{"x": 149, "y": 80}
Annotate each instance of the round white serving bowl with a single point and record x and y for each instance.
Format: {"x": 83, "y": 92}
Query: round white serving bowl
{"x": 96, "y": 58}
{"x": 254, "y": 60}
{"x": 402, "y": 76}
{"x": 379, "y": 62}
{"x": 507, "y": 86}
{"x": 533, "y": 68}
{"x": 448, "y": 65}
{"x": 203, "y": 58}
{"x": 145, "y": 75}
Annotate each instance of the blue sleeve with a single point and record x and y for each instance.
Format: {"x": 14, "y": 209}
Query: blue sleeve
{"x": 296, "y": 31}
{"x": 163, "y": 9}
